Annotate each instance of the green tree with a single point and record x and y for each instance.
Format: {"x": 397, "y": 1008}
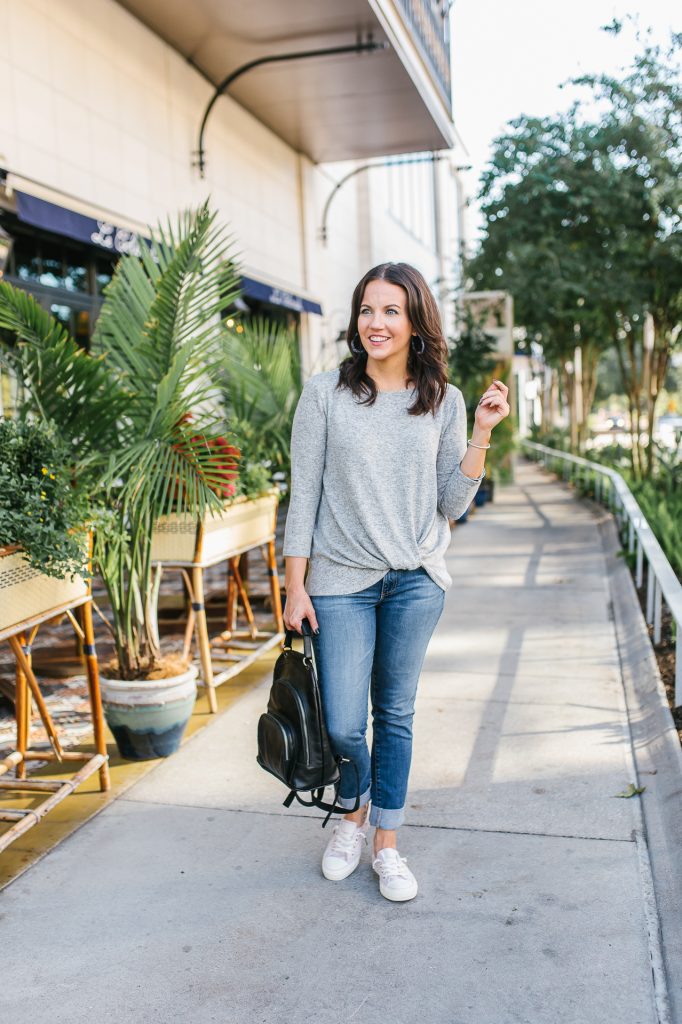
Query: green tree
{"x": 641, "y": 136}
{"x": 540, "y": 202}
{"x": 582, "y": 225}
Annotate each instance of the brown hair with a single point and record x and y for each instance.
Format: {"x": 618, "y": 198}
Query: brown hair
{"x": 428, "y": 371}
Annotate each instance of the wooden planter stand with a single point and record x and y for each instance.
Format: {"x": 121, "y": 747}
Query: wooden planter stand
{"x": 182, "y": 544}
{"x": 28, "y": 598}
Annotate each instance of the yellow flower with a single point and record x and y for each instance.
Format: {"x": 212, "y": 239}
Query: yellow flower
{"x": 44, "y": 470}
{"x": 51, "y": 476}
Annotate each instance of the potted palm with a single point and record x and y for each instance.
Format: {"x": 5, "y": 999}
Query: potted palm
{"x": 260, "y": 383}
{"x": 156, "y": 353}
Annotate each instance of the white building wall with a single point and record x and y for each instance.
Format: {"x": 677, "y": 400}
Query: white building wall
{"x": 94, "y": 105}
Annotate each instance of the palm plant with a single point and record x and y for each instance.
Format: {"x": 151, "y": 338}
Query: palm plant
{"x": 261, "y": 385}
{"x": 147, "y": 405}
{"x": 60, "y": 382}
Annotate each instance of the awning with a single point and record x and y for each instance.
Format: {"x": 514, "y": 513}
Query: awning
{"x": 278, "y": 297}
{"x": 100, "y": 233}
{"x": 104, "y": 235}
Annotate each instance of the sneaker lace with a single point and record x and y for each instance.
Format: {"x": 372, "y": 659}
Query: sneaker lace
{"x": 344, "y": 842}
{"x": 393, "y": 868}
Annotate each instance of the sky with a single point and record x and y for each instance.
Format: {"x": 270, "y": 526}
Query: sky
{"x": 509, "y": 57}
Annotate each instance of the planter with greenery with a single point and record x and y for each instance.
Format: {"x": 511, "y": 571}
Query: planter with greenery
{"x": 245, "y": 520}
{"x": 126, "y": 411}
{"x": 242, "y": 523}
{"x": 43, "y": 539}
{"x": 261, "y": 385}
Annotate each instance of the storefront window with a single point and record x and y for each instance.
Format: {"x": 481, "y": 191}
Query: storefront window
{"x": 62, "y": 276}
{"x": 75, "y": 276}
{"x": 25, "y": 259}
{"x": 51, "y": 266}
{"x": 104, "y": 270}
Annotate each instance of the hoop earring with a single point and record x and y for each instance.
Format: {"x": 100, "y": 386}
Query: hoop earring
{"x": 356, "y": 351}
{"x": 418, "y": 351}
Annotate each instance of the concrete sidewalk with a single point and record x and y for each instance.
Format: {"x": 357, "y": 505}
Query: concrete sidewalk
{"x": 197, "y": 898}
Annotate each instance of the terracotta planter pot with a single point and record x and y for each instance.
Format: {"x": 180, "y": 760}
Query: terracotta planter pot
{"x": 148, "y": 717}
{"x": 243, "y": 524}
{"x": 27, "y": 594}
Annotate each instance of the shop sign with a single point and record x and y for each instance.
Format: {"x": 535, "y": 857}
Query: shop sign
{"x": 61, "y": 221}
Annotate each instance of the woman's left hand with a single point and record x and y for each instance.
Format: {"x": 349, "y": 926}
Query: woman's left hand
{"x": 492, "y": 407}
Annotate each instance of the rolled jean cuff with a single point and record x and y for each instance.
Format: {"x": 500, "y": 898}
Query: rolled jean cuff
{"x": 388, "y": 818}
{"x": 349, "y": 801}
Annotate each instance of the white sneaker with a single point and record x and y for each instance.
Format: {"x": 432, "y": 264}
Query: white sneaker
{"x": 396, "y": 881}
{"x": 344, "y": 849}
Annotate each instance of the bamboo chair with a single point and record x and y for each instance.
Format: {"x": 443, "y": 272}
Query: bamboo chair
{"x": 20, "y": 638}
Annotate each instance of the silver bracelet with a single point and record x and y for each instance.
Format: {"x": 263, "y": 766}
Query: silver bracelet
{"x": 483, "y": 447}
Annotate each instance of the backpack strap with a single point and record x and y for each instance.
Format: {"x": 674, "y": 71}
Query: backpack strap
{"x": 317, "y": 796}
{"x": 306, "y": 632}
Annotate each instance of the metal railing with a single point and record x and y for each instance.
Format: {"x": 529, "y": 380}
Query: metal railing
{"x": 429, "y": 29}
{"x": 636, "y": 536}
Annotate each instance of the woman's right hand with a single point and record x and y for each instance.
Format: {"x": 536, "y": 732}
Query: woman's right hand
{"x": 298, "y": 607}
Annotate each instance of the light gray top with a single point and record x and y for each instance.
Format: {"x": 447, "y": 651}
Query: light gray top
{"x": 373, "y": 487}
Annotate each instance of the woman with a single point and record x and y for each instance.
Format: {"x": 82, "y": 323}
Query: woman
{"x": 380, "y": 462}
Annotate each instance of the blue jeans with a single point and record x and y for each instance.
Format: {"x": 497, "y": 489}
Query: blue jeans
{"x": 375, "y": 642}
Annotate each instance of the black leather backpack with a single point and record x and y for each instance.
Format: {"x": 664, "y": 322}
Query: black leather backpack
{"x": 293, "y": 744}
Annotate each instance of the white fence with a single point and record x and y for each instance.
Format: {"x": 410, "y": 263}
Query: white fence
{"x": 636, "y": 535}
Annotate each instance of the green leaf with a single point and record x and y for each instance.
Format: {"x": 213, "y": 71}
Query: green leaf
{"x": 632, "y": 790}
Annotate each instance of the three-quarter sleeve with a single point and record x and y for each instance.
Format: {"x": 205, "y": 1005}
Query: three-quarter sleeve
{"x": 308, "y": 450}
{"x": 455, "y": 489}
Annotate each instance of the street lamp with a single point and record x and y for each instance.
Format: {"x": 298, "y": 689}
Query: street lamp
{"x": 6, "y": 243}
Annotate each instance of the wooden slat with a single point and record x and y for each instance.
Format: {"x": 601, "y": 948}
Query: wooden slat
{"x": 10, "y": 761}
{"x": 31, "y": 785}
{"x": 28, "y": 821}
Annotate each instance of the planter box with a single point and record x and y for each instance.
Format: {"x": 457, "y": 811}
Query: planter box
{"x": 27, "y": 594}
{"x": 242, "y": 525}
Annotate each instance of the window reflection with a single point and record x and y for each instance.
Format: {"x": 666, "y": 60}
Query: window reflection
{"x": 51, "y": 266}
{"x": 62, "y": 276}
{"x": 76, "y": 277}
{"x": 25, "y": 259}
{"x": 104, "y": 270}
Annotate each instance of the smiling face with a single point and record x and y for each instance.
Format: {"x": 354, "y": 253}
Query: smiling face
{"x": 383, "y": 324}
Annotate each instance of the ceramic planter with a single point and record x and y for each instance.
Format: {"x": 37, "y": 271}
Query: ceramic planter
{"x": 148, "y": 717}
{"x": 27, "y": 594}
{"x": 243, "y": 524}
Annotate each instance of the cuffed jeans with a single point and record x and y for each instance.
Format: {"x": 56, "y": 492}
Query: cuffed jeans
{"x": 375, "y": 642}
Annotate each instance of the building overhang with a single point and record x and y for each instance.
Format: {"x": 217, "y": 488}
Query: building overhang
{"x": 331, "y": 108}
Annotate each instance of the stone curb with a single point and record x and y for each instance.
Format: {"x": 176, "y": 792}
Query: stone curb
{"x": 657, "y": 759}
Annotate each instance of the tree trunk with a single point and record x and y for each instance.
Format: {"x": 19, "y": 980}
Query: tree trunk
{"x": 568, "y": 388}
{"x": 660, "y": 357}
{"x": 591, "y": 354}
{"x": 632, "y": 385}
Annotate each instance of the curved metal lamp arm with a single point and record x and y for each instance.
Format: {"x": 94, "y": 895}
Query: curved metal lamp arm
{"x": 430, "y": 159}
{"x": 328, "y": 51}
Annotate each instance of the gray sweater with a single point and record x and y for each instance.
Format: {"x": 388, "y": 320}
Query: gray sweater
{"x": 373, "y": 487}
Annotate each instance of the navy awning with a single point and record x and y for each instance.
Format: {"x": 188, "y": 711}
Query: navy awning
{"x": 100, "y": 233}
{"x": 105, "y": 235}
{"x": 278, "y": 297}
